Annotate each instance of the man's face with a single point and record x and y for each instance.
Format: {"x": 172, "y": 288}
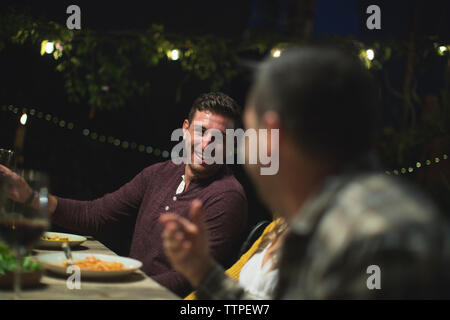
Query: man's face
{"x": 205, "y": 120}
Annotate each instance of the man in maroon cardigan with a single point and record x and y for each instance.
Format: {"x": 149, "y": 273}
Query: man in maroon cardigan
{"x": 162, "y": 187}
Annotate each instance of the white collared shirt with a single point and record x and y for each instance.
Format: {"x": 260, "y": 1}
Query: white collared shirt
{"x": 181, "y": 186}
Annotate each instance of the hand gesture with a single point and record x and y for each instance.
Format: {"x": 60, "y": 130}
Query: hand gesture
{"x": 186, "y": 244}
{"x": 19, "y": 190}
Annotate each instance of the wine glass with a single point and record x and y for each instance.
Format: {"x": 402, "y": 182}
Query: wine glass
{"x": 23, "y": 222}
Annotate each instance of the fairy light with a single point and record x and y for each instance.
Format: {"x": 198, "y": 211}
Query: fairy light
{"x": 276, "y": 53}
{"x": 370, "y": 54}
{"x": 174, "y": 54}
{"x": 164, "y": 153}
{"x": 49, "y": 47}
{"x": 23, "y": 119}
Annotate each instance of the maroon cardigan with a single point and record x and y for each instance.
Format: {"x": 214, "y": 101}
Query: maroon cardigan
{"x": 152, "y": 193}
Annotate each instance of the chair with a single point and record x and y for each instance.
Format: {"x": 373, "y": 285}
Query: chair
{"x": 255, "y": 233}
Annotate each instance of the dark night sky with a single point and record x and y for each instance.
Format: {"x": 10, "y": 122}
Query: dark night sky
{"x": 231, "y": 17}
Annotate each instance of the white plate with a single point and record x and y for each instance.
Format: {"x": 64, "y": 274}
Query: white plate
{"x": 54, "y": 262}
{"x": 74, "y": 240}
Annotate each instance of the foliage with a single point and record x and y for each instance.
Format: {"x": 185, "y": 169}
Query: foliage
{"x": 8, "y": 261}
{"x": 102, "y": 69}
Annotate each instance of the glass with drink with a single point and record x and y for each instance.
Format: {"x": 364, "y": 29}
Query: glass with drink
{"x": 23, "y": 220}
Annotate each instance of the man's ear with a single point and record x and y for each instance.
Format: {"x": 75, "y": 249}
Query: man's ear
{"x": 185, "y": 124}
{"x": 185, "y": 127}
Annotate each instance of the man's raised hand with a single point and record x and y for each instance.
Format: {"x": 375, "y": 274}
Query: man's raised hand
{"x": 186, "y": 243}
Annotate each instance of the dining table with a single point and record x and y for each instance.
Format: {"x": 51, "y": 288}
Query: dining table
{"x": 134, "y": 286}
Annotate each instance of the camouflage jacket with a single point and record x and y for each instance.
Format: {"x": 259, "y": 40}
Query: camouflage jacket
{"x": 363, "y": 235}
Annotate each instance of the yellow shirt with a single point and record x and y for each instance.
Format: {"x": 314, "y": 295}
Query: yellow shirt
{"x": 234, "y": 271}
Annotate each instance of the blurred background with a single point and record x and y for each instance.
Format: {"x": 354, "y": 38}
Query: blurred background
{"x": 93, "y": 107}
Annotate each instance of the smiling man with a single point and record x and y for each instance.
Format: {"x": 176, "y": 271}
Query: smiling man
{"x": 162, "y": 187}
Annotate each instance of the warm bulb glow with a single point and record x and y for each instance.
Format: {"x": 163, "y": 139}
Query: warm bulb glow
{"x": 174, "y": 54}
{"x": 49, "y": 47}
{"x": 370, "y": 54}
{"x": 23, "y": 119}
{"x": 276, "y": 53}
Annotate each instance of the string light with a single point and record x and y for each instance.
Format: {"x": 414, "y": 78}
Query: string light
{"x": 148, "y": 149}
{"x": 49, "y": 47}
{"x": 442, "y": 49}
{"x": 275, "y": 52}
{"x": 174, "y": 54}
{"x": 370, "y": 54}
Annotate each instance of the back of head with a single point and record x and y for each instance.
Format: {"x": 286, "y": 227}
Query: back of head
{"x": 325, "y": 98}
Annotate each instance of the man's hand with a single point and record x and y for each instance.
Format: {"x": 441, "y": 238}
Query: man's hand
{"x": 186, "y": 244}
{"x": 19, "y": 190}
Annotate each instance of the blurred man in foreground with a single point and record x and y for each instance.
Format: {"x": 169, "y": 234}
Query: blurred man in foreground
{"x": 355, "y": 232}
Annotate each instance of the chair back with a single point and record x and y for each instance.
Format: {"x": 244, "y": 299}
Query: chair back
{"x": 255, "y": 233}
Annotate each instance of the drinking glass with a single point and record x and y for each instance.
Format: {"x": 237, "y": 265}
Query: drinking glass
{"x": 23, "y": 222}
{"x": 7, "y": 158}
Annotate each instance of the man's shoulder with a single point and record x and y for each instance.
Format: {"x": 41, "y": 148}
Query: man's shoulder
{"x": 374, "y": 205}
{"x": 388, "y": 196}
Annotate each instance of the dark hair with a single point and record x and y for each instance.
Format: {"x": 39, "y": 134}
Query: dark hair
{"x": 325, "y": 98}
{"x": 217, "y": 102}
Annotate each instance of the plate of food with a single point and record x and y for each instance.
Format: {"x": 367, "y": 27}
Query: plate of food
{"x": 54, "y": 240}
{"x": 31, "y": 273}
{"x": 92, "y": 265}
